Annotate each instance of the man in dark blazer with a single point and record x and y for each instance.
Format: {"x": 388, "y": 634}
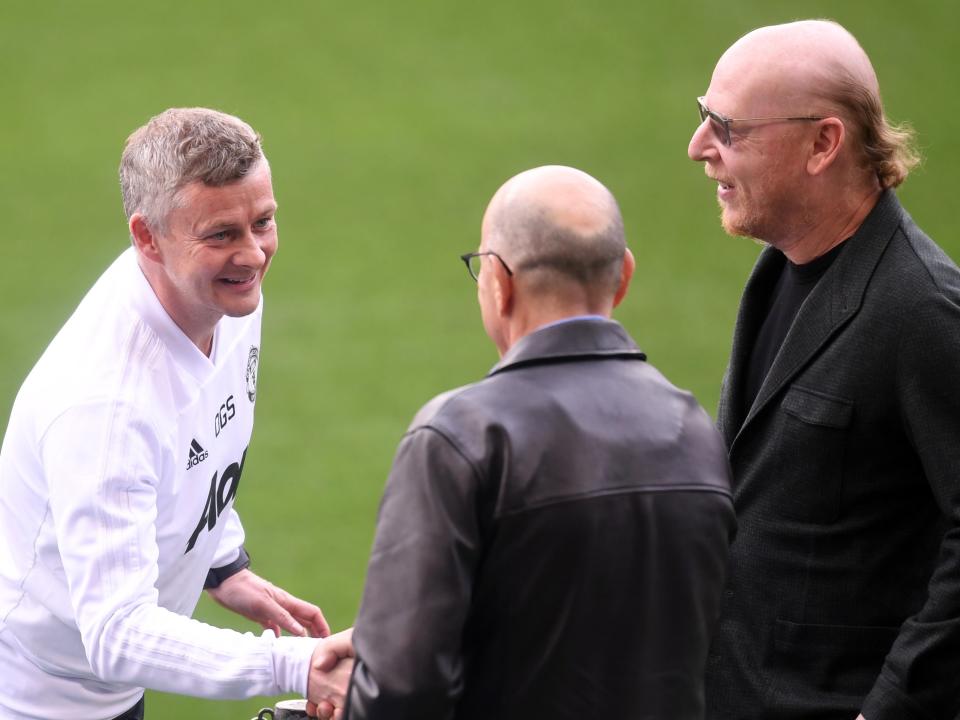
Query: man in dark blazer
{"x": 841, "y": 405}
{"x": 552, "y": 542}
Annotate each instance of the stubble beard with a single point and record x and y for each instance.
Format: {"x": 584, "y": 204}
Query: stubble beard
{"x": 779, "y": 216}
{"x": 747, "y": 223}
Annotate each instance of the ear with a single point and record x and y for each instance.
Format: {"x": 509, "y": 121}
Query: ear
{"x": 826, "y": 145}
{"x": 626, "y": 273}
{"x": 143, "y": 238}
{"x": 502, "y": 289}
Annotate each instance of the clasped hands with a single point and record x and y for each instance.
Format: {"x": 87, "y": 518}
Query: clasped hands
{"x": 329, "y": 678}
{"x": 249, "y": 595}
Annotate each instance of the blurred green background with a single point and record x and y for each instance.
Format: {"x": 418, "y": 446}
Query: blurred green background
{"x": 389, "y": 126}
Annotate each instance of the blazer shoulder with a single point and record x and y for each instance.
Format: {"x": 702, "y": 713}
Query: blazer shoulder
{"x": 931, "y": 265}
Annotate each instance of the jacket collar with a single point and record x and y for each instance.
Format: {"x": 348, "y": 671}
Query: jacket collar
{"x": 573, "y": 340}
{"x": 830, "y": 305}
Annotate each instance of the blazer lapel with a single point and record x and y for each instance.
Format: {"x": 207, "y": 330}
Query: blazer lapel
{"x": 832, "y": 303}
{"x": 753, "y": 304}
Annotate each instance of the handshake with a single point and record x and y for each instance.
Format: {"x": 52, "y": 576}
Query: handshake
{"x": 329, "y": 678}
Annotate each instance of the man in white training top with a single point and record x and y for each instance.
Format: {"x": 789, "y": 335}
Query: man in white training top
{"x": 125, "y": 449}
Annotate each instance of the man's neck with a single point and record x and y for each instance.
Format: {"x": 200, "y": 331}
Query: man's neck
{"x": 830, "y": 228}
{"x": 199, "y": 331}
{"x": 522, "y": 324}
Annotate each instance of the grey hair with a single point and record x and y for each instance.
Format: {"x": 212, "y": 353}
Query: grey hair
{"x": 546, "y": 250}
{"x": 180, "y": 146}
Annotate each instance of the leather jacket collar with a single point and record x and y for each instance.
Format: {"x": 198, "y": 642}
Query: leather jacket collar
{"x": 571, "y": 340}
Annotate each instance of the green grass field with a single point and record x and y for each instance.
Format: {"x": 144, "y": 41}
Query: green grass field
{"x": 388, "y": 127}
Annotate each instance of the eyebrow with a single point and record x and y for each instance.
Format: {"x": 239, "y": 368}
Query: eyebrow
{"x": 216, "y": 224}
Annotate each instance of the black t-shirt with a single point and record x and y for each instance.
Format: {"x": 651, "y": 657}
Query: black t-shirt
{"x": 792, "y": 287}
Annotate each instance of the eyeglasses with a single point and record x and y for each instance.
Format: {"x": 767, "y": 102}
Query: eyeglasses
{"x": 721, "y": 123}
{"x": 472, "y": 261}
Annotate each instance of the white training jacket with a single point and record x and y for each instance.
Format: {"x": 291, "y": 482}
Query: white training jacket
{"x": 118, "y": 472}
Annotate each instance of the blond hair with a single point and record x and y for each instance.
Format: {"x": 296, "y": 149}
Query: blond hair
{"x": 886, "y": 148}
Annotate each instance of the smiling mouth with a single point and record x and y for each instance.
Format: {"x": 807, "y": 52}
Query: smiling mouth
{"x": 723, "y": 185}
{"x": 238, "y": 281}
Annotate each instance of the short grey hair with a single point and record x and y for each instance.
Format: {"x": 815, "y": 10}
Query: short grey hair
{"x": 547, "y": 250}
{"x": 180, "y": 146}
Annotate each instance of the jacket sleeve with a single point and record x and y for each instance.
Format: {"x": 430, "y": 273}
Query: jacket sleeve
{"x": 101, "y": 465}
{"x": 418, "y": 586}
{"x": 919, "y": 676}
{"x": 230, "y": 547}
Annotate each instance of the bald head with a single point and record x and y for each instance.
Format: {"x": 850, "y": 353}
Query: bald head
{"x": 555, "y": 226}
{"x": 816, "y": 67}
{"x": 559, "y": 236}
{"x": 784, "y": 69}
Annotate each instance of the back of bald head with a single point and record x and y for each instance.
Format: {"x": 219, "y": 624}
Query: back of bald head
{"x": 817, "y": 67}
{"x": 557, "y": 228}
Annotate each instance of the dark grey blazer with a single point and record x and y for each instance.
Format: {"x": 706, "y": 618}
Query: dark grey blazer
{"x": 844, "y": 589}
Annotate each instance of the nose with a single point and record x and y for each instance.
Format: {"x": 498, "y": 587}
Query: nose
{"x": 255, "y": 250}
{"x": 702, "y": 143}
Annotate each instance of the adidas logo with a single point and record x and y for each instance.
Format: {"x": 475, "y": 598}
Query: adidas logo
{"x": 197, "y": 454}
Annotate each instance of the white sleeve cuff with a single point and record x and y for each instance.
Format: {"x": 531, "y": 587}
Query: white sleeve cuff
{"x": 291, "y": 662}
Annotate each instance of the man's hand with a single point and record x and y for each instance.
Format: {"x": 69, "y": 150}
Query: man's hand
{"x": 249, "y": 595}
{"x": 329, "y": 678}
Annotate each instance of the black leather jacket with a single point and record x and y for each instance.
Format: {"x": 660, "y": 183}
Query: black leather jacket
{"x": 552, "y": 543}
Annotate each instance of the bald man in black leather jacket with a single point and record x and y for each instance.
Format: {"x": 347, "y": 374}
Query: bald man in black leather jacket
{"x": 553, "y": 539}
